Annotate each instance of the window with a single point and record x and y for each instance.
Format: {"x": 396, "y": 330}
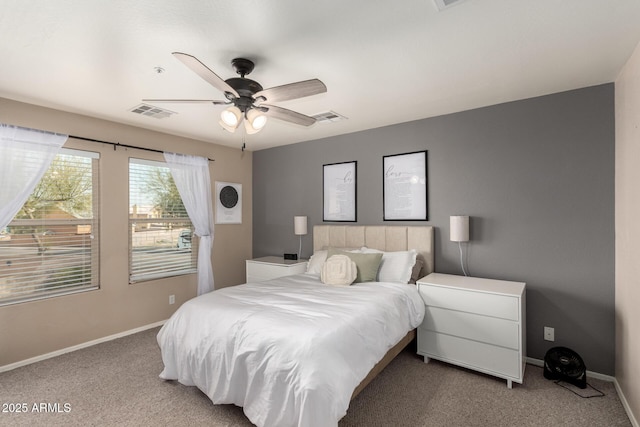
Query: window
{"x": 161, "y": 239}
{"x": 50, "y": 248}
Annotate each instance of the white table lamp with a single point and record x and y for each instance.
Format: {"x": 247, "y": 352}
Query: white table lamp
{"x": 300, "y": 229}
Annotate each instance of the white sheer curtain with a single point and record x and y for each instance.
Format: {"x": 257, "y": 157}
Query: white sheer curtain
{"x": 25, "y": 155}
{"x": 191, "y": 175}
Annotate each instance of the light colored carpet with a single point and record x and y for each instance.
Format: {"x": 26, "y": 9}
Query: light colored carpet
{"x": 116, "y": 384}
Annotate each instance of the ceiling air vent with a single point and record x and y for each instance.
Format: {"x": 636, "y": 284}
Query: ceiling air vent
{"x": 329, "y": 116}
{"x": 151, "y": 111}
{"x": 444, "y": 4}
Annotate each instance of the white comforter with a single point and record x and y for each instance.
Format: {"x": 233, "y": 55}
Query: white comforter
{"x": 290, "y": 351}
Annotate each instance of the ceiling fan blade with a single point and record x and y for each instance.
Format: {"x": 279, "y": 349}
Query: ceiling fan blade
{"x": 292, "y": 91}
{"x": 189, "y": 101}
{"x": 205, "y": 72}
{"x": 288, "y": 115}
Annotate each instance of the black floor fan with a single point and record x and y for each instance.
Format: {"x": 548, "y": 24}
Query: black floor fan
{"x": 564, "y": 364}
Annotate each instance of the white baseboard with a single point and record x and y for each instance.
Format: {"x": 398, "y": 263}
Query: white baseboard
{"x": 623, "y": 399}
{"x": 78, "y": 347}
{"x": 625, "y": 405}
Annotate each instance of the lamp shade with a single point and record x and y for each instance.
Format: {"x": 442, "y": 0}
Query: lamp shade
{"x": 250, "y": 129}
{"x": 255, "y": 121}
{"x": 459, "y": 228}
{"x": 300, "y": 225}
{"x": 230, "y": 118}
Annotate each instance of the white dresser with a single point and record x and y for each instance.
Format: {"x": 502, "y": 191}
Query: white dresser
{"x": 475, "y": 323}
{"x": 270, "y": 267}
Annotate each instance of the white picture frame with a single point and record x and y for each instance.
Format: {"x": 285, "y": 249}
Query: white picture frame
{"x": 228, "y": 203}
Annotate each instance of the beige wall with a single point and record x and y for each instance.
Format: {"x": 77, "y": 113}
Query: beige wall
{"x": 628, "y": 232}
{"x": 34, "y": 328}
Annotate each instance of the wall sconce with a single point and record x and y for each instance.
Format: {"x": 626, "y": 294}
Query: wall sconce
{"x": 300, "y": 229}
{"x": 459, "y": 232}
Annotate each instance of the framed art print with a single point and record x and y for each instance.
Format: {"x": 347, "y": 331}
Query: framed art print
{"x": 405, "y": 187}
{"x": 339, "y": 192}
{"x": 228, "y": 203}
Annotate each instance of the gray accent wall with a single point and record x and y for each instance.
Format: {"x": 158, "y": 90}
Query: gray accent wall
{"x": 536, "y": 177}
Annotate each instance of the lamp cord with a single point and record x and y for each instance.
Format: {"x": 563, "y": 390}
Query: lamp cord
{"x": 461, "y": 260}
{"x": 600, "y": 393}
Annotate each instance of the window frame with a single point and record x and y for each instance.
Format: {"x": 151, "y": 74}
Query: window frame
{"x": 133, "y": 223}
{"x": 44, "y": 223}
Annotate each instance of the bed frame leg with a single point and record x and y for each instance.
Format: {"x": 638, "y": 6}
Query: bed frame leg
{"x": 426, "y": 359}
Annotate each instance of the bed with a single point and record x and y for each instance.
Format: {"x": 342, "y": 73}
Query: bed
{"x": 294, "y": 351}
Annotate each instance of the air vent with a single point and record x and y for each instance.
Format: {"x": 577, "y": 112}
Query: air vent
{"x": 151, "y": 111}
{"x": 444, "y": 4}
{"x": 329, "y": 116}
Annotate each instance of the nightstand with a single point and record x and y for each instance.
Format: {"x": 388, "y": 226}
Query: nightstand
{"x": 270, "y": 267}
{"x": 475, "y": 323}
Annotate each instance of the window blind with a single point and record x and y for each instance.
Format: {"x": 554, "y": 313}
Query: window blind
{"x": 51, "y": 247}
{"x": 161, "y": 239}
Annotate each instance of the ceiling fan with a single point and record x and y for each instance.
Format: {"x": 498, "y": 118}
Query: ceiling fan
{"x": 246, "y": 98}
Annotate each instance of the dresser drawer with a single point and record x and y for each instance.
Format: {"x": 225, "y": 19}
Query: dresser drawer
{"x": 488, "y": 304}
{"x": 483, "y": 357}
{"x": 491, "y": 330}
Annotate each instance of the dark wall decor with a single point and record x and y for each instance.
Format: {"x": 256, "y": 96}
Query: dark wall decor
{"x": 339, "y": 185}
{"x": 405, "y": 187}
{"x": 228, "y": 203}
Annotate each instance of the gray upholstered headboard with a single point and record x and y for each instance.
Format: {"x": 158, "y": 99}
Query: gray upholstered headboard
{"x": 381, "y": 237}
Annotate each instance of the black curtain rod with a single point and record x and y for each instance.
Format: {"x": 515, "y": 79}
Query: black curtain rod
{"x": 117, "y": 144}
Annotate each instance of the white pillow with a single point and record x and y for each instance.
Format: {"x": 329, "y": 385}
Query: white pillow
{"x": 316, "y": 261}
{"x": 339, "y": 270}
{"x": 395, "y": 266}
{"x": 318, "y": 258}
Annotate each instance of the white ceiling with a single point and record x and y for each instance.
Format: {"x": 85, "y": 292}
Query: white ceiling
{"x": 383, "y": 62}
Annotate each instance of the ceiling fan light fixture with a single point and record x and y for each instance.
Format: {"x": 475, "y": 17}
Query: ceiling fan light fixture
{"x": 227, "y": 127}
{"x": 250, "y": 129}
{"x": 256, "y": 119}
{"x": 231, "y": 117}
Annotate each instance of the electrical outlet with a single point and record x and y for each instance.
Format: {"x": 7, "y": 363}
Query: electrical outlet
{"x": 172, "y": 299}
{"x": 549, "y": 333}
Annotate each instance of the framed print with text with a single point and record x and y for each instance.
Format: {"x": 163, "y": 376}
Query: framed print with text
{"x": 339, "y": 192}
{"x": 405, "y": 187}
